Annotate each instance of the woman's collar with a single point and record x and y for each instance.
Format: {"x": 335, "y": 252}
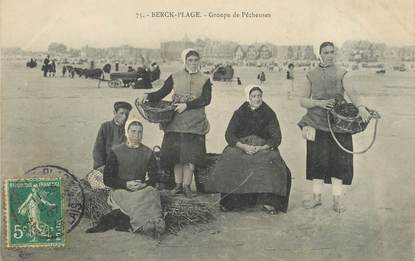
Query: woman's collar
{"x": 133, "y": 146}
{"x": 256, "y": 108}
{"x": 186, "y": 70}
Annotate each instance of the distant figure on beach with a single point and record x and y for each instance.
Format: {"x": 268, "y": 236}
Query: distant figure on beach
{"x": 45, "y": 66}
{"x": 290, "y": 80}
{"x": 106, "y": 71}
{"x": 52, "y": 69}
{"x": 31, "y": 64}
{"x": 107, "y": 68}
{"x": 154, "y": 72}
{"x": 64, "y": 70}
{"x": 72, "y": 72}
{"x": 326, "y": 162}
{"x": 261, "y": 77}
{"x": 143, "y": 79}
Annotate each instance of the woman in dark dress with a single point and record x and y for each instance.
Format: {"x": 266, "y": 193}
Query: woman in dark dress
{"x": 183, "y": 145}
{"x": 251, "y": 168}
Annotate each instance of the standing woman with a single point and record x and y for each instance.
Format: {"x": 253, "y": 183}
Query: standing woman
{"x": 184, "y": 145}
{"x": 326, "y": 162}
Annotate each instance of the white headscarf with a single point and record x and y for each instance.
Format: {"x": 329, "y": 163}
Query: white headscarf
{"x": 316, "y": 47}
{"x": 248, "y": 90}
{"x": 184, "y": 53}
{"x": 128, "y": 121}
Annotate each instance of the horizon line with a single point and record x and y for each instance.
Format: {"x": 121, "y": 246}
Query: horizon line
{"x": 193, "y": 41}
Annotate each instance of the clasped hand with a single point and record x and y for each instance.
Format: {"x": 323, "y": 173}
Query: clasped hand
{"x": 251, "y": 150}
{"x": 134, "y": 185}
{"x": 180, "y": 107}
{"x": 326, "y": 104}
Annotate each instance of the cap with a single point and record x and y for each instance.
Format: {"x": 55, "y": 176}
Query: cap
{"x": 122, "y": 104}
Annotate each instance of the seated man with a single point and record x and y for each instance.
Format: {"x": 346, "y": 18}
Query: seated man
{"x": 134, "y": 201}
{"x": 111, "y": 133}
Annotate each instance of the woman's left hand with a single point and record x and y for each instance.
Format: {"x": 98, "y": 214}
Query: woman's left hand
{"x": 180, "y": 107}
{"x": 260, "y": 148}
{"x": 364, "y": 114}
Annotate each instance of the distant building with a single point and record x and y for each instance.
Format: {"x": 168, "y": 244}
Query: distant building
{"x": 265, "y": 52}
{"x": 239, "y": 53}
{"x": 125, "y": 53}
{"x": 362, "y": 51}
{"x": 172, "y": 50}
{"x": 391, "y": 54}
{"x": 257, "y": 52}
{"x": 407, "y": 53}
{"x": 252, "y": 53}
{"x": 294, "y": 52}
{"x": 216, "y": 50}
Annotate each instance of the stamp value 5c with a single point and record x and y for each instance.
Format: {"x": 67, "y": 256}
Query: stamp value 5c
{"x": 34, "y": 212}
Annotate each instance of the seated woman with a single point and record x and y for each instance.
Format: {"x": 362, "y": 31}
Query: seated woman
{"x": 134, "y": 201}
{"x": 251, "y": 169}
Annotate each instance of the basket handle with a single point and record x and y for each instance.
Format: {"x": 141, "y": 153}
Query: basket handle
{"x": 375, "y": 115}
{"x": 140, "y": 110}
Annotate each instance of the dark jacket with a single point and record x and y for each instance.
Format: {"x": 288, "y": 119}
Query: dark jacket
{"x": 109, "y": 135}
{"x": 261, "y": 122}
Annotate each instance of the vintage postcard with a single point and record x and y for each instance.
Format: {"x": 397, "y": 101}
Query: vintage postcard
{"x": 207, "y": 130}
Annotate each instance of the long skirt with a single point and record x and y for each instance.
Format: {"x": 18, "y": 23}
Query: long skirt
{"x": 141, "y": 206}
{"x": 238, "y": 201}
{"x": 183, "y": 148}
{"x": 264, "y": 174}
{"x": 325, "y": 159}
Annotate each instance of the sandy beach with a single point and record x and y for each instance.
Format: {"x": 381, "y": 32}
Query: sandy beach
{"x": 55, "y": 121}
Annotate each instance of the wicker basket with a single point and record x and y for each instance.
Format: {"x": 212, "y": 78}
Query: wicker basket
{"x": 344, "y": 117}
{"x": 156, "y": 112}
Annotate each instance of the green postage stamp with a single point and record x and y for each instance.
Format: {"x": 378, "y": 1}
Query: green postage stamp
{"x": 34, "y": 212}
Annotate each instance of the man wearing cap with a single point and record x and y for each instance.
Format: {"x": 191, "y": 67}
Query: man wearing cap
{"x": 110, "y": 133}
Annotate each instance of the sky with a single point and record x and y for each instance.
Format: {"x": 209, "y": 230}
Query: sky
{"x": 32, "y": 25}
